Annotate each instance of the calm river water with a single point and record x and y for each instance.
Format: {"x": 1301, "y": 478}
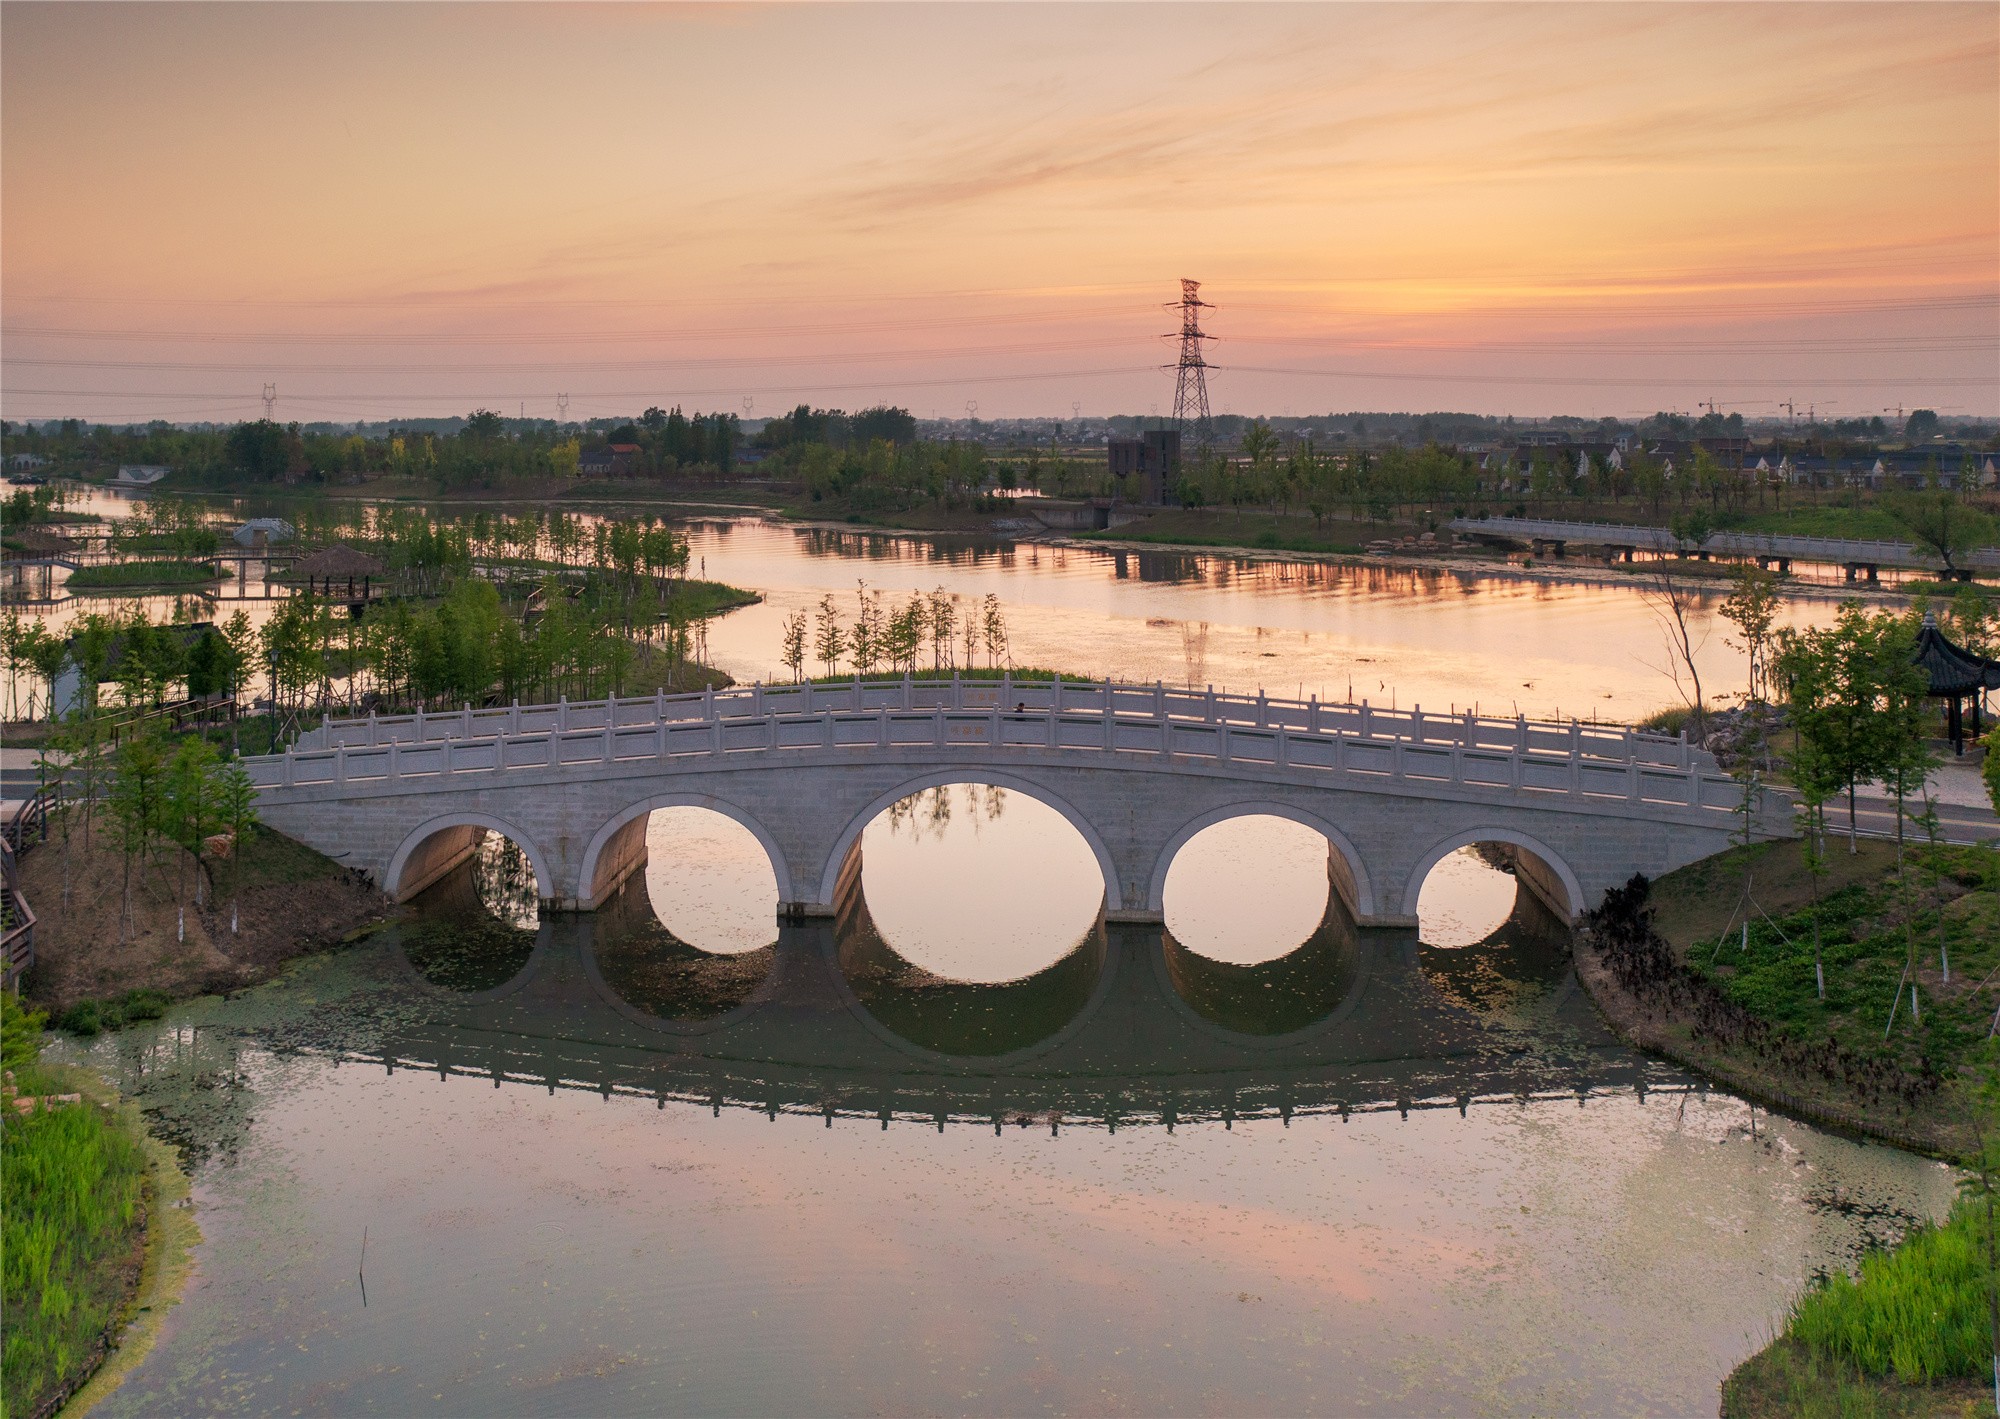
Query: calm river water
{"x": 969, "y": 1151}
{"x": 1396, "y": 635}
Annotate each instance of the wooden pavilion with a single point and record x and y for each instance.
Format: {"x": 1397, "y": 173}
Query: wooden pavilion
{"x": 1956, "y": 675}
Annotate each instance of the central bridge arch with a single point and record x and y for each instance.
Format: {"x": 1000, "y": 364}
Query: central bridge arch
{"x": 618, "y": 849}
{"x": 1350, "y": 873}
{"x": 850, "y": 836}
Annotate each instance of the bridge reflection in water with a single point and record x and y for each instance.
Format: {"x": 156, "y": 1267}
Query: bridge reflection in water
{"x": 1129, "y": 1028}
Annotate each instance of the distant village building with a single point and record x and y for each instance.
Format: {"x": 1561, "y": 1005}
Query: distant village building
{"x": 1146, "y": 467}
{"x": 262, "y": 531}
{"x": 140, "y": 475}
{"x": 26, "y": 462}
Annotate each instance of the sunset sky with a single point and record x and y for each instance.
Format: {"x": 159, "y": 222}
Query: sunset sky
{"x": 413, "y": 210}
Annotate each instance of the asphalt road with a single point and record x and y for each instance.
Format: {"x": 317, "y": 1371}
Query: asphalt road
{"x": 1876, "y": 817}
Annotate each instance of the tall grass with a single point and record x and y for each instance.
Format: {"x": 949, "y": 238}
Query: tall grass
{"x": 1917, "y": 1313}
{"x": 73, "y": 1182}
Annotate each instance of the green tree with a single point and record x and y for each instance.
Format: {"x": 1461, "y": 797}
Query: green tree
{"x": 795, "y": 645}
{"x": 1941, "y": 522}
{"x": 828, "y": 640}
{"x": 136, "y": 788}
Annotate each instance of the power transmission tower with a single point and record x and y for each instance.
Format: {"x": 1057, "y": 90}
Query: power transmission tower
{"x": 270, "y": 401}
{"x": 1191, "y": 377}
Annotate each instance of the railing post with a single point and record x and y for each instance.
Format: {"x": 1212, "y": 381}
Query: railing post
{"x": 562, "y": 713}
{"x": 1312, "y": 714}
{"x": 659, "y": 702}
{"x": 715, "y": 736}
{"x": 1284, "y": 754}
{"x": 340, "y": 767}
{"x": 1687, "y": 759}
{"x": 605, "y": 757}
{"x": 1520, "y": 733}
{"x": 957, "y": 691}
{"x": 659, "y": 739}
{"x": 555, "y": 748}
{"x": 611, "y": 709}
{"x": 993, "y": 728}
{"x": 881, "y": 724}
{"x": 1208, "y": 707}
{"x": 757, "y": 699}
{"x": 1222, "y": 742}
{"x": 1159, "y": 699}
{"x": 371, "y": 729}
{"x": 395, "y": 768}
{"x": 1417, "y": 723}
{"x": 826, "y": 724}
{"x": 288, "y": 766}
{"x": 909, "y": 690}
{"x": 1055, "y": 695}
{"x": 1396, "y": 758}
{"x": 1260, "y": 706}
{"x": 708, "y": 702}
{"x": 1049, "y": 735}
{"x": 1367, "y": 720}
{"x": 1007, "y": 685}
{"x": 514, "y": 716}
{"x": 465, "y": 722}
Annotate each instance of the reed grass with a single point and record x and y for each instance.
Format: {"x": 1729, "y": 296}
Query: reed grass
{"x": 73, "y": 1182}
{"x": 1918, "y": 1313}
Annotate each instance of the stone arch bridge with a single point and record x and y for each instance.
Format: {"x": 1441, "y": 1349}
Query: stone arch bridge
{"x": 1138, "y": 770}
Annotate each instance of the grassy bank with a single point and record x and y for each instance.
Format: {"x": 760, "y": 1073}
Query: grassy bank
{"x": 1677, "y": 970}
{"x": 143, "y": 575}
{"x": 1253, "y": 531}
{"x": 1909, "y": 1335}
{"x": 74, "y": 1228}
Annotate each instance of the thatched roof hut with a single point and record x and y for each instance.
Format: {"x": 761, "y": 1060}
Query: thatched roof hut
{"x": 339, "y": 562}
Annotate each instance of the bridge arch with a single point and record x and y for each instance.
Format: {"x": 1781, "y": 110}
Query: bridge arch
{"x": 434, "y": 847}
{"x": 843, "y": 845}
{"x": 1555, "y": 881}
{"x": 618, "y": 847}
{"x": 1357, "y": 888}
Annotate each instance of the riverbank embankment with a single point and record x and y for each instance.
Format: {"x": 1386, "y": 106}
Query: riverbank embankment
{"x": 1860, "y": 998}
{"x": 162, "y": 925}
{"x": 1857, "y": 999}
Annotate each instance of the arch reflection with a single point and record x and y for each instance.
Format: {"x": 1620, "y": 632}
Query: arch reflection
{"x": 658, "y": 974}
{"x": 475, "y": 928}
{"x": 1516, "y": 974}
{"x": 962, "y": 1017}
{"x": 1278, "y": 996}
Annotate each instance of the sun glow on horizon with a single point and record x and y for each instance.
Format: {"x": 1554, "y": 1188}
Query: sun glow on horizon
{"x": 1494, "y": 207}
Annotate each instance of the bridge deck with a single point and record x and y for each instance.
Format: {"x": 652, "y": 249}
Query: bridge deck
{"x": 1302, "y": 739}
